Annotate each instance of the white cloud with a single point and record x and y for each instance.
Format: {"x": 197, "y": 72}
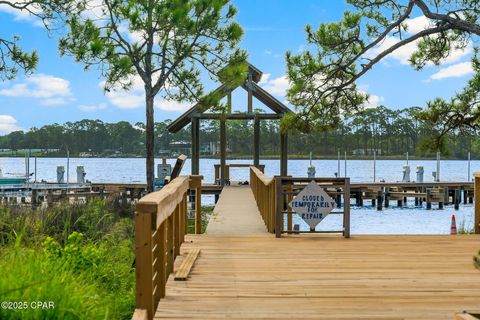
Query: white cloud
{"x": 453, "y": 71}
{"x": 277, "y": 86}
{"x": 22, "y": 15}
{"x": 49, "y": 90}
{"x": 264, "y": 78}
{"x": 170, "y": 105}
{"x": 373, "y": 100}
{"x": 417, "y": 24}
{"x": 92, "y": 107}
{"x": 8, "y": 124}
{"x": 135, "y": 98}
{"x": 95, "y": 10}
{"x": 131, "y": 99}
{"x": 403, "y": 54}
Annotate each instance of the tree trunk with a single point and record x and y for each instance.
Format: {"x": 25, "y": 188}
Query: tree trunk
{"x": 150, "y": 143}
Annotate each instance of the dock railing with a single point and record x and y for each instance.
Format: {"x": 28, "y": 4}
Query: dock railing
{"x": 274, "y": 194}
{"x": 263, "y": 189}
{"x": 160, "y": 228}
{"x": 218, "y": 174}
{"x": 288, "y": 187}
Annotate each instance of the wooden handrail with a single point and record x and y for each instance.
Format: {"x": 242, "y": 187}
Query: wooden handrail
{"x": 263, "y": 189}
{"x": 160, "y": 228}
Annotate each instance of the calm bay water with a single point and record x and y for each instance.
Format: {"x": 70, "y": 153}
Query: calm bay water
{"x": 407, "y": 220}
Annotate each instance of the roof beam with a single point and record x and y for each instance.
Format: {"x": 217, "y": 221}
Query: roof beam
{"x": 238, "y": 116}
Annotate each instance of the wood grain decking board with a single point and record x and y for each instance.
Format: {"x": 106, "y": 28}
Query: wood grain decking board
{"x": 183, "y": 270}
{"x": 325, "y": 277}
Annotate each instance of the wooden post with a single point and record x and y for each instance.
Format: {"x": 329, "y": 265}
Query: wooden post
{"x": 457, "y": 199}
{"x": 256, "y": 142}
{"x": 289, "y": 209}
{"x": 144, "y": 271}
{"x": 476, "y": 198}
{"x": 387, "y": 198}
{"x": 429, "y": 199}
{"x": 195, "y": 145}
{"x": 250, "y": 93}
{"x": 379, "y": 200}
{"x": 196, "y": 183}
{"x": 184, "y": 217}
{"x": 278, "y": 206}
{"x": 338, "y": 198}
{"x": 346, "y": 209}
{"x": 170, "y": 244}
{"x": 34, "y": 199}
{"x": 160, "y": 266}
{"x": 223, "y": 150}
{"x": 283, "y": 154}
{"x": 177, "y": 229}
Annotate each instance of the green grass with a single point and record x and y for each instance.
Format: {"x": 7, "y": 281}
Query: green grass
{"x": 206, "y": 212}
{"x": 77, "y": 256}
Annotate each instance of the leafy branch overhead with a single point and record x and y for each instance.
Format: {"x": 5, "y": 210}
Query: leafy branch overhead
{"x": 167, "y": 44}
{"x": 323, "y": 77}
{"x": 12, "y": 57}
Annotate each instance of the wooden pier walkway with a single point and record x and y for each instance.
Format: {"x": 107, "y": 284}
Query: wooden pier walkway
{"x": 244, "y": 272}
{"x": 235, "y": 213}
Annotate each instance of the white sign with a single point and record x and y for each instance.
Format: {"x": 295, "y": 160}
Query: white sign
{"x": 313, "y": 204}
{"x": 163, "y": 171}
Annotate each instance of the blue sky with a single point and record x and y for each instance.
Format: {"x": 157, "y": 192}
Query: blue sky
{"x": 60, "y": 90}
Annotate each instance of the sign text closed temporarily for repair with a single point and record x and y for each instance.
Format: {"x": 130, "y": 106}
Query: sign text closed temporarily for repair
{"x": 313, "y": 204}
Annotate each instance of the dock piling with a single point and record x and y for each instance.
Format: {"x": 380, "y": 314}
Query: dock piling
{"x": 379, "y": 200}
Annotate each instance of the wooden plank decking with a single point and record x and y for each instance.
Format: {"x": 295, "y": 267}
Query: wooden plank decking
{"x": 325, "y": 277}
{"x": 236, "y": 212}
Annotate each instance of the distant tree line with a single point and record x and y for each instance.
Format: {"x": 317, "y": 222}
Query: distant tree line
{"x": 389, "y": 132}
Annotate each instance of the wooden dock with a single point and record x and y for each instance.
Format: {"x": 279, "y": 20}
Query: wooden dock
{"x": 235, "y": 273}
{"x": 325, "y": 277}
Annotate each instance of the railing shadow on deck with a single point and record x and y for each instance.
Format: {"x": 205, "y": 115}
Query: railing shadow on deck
{"x": 160, "y": 228}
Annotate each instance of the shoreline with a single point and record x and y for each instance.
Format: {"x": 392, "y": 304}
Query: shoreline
{"x": 240, "y": 157}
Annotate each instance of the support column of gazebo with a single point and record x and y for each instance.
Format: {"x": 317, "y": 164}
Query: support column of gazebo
{"x": 194, "y": 115}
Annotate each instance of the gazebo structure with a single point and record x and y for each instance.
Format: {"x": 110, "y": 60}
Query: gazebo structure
{"x": 199, "y": 112}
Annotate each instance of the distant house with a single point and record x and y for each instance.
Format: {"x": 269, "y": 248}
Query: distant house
{"x": 367, "y": 152}
{"x": 86, "y": 154}
{"x": 212, "y": 148}
{"x": 180, "y": 147}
